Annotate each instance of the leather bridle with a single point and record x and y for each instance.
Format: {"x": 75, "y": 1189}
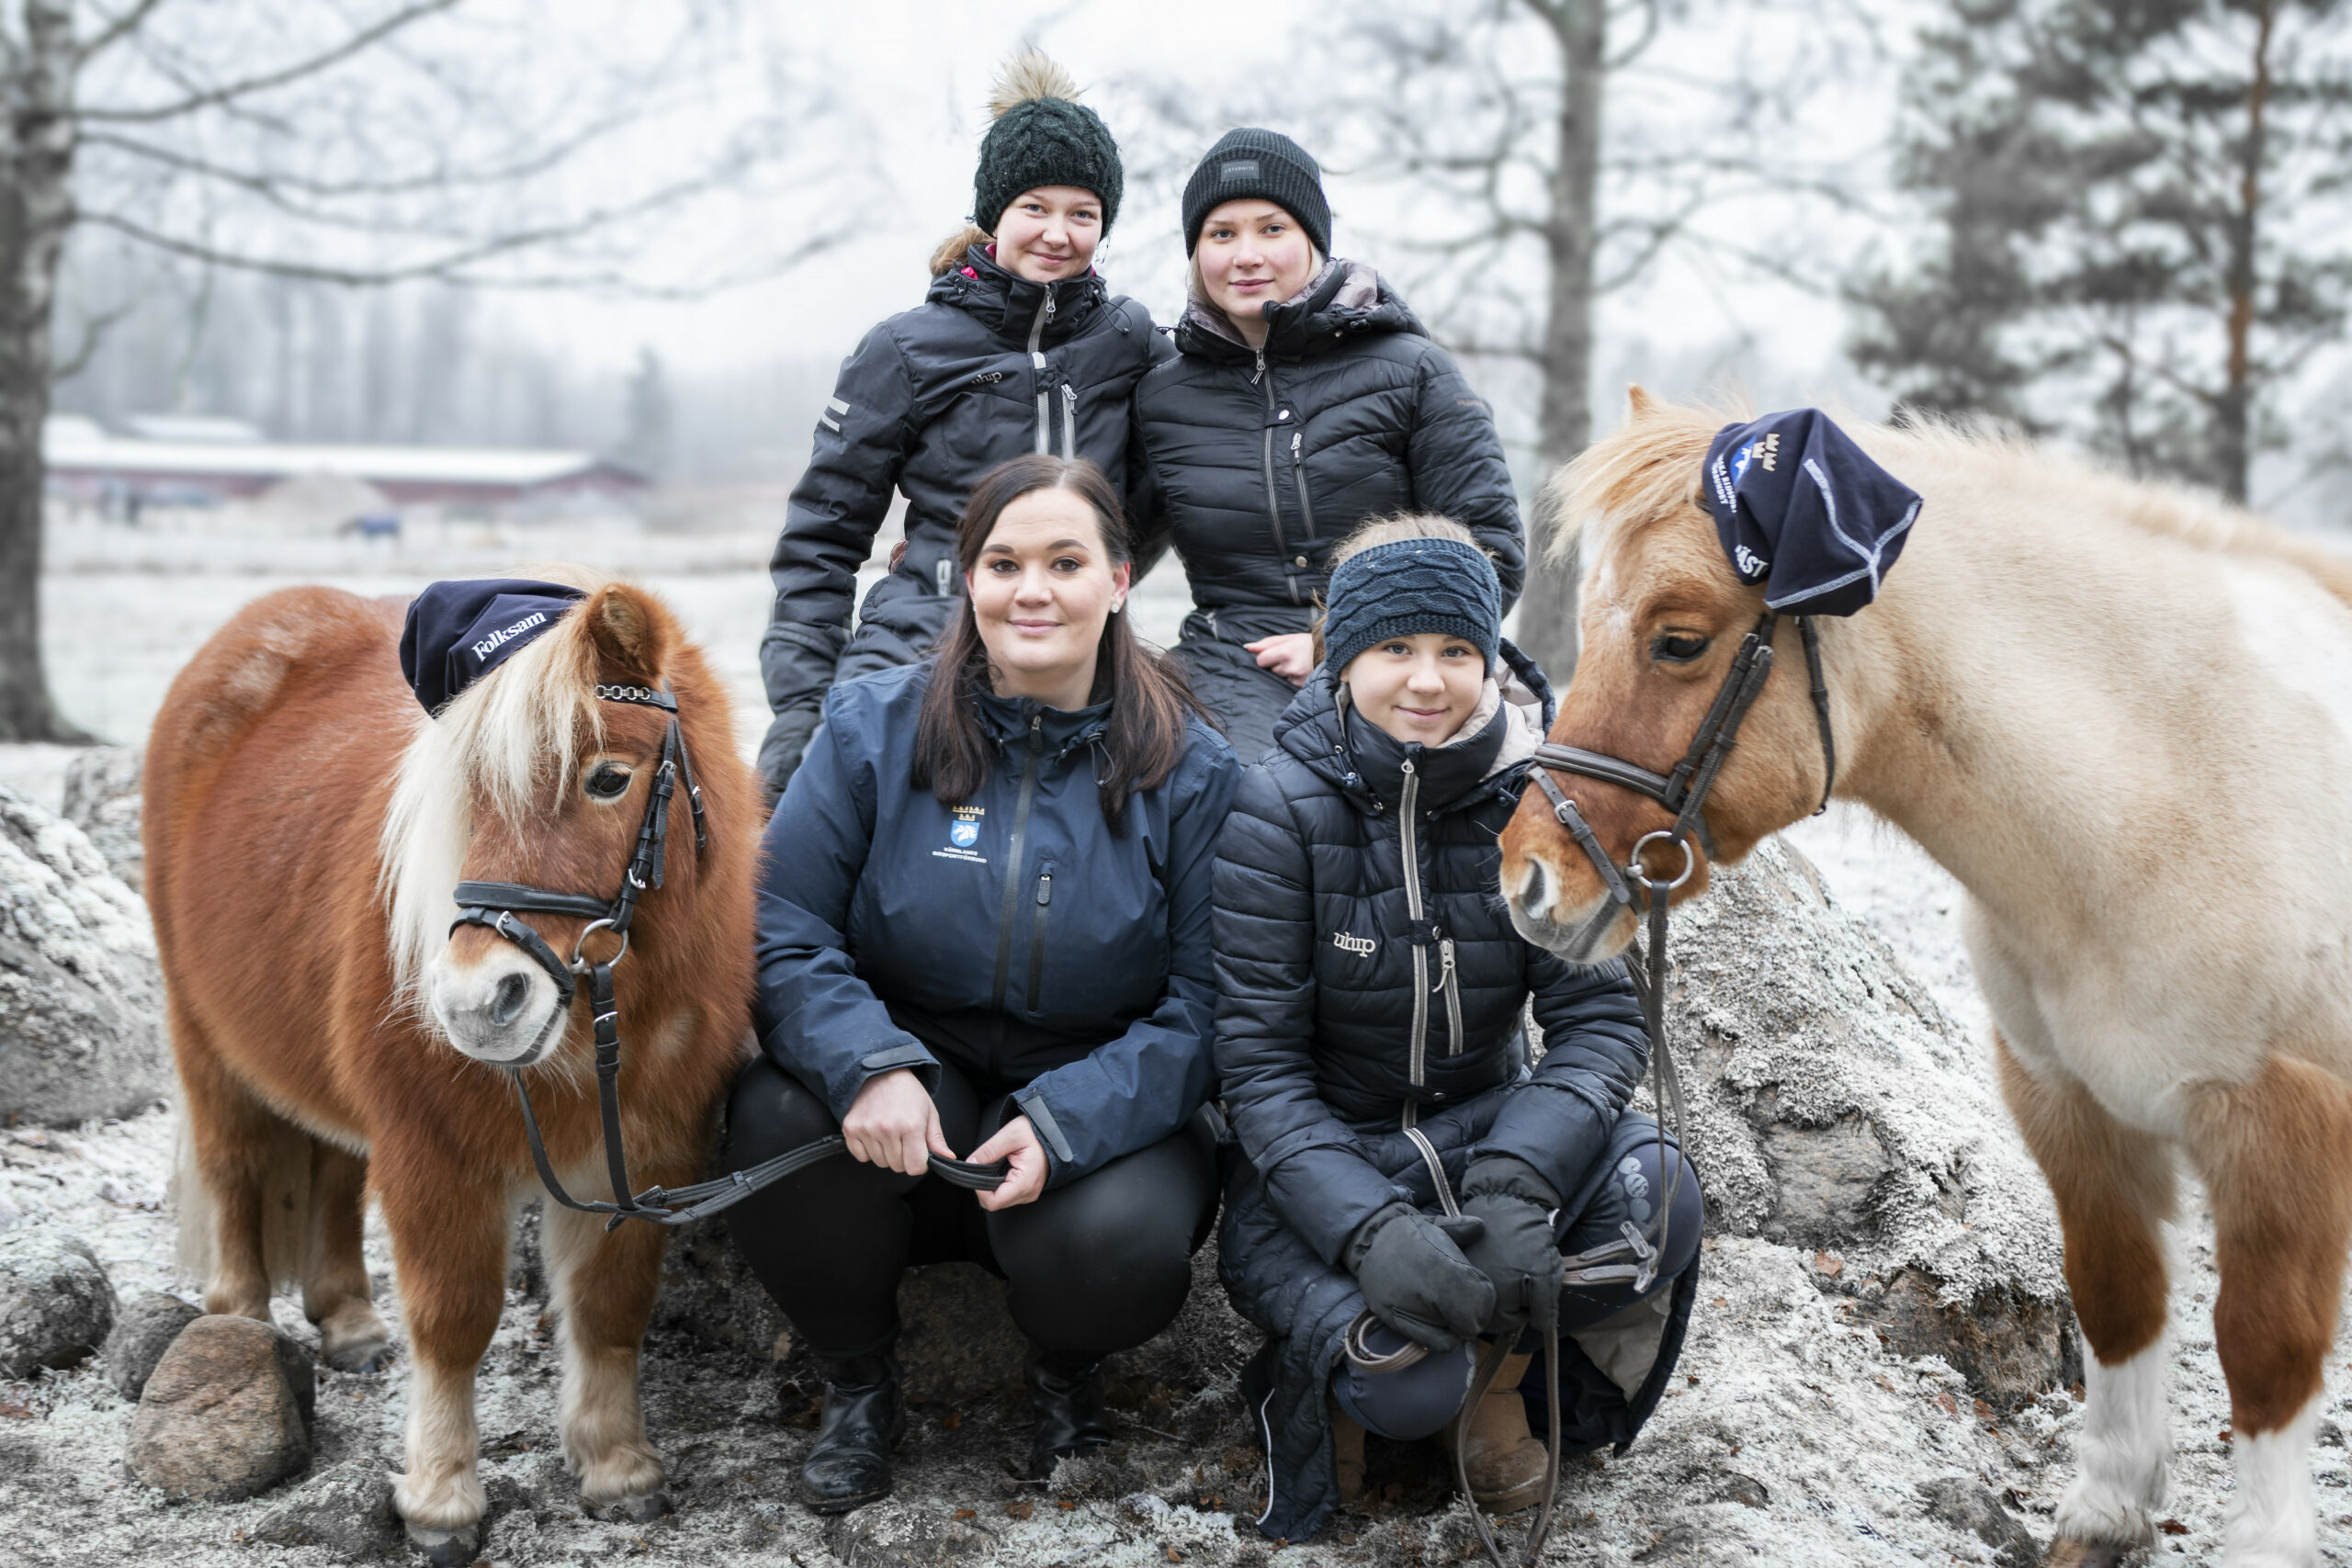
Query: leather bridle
{"x": 497, "y": 905}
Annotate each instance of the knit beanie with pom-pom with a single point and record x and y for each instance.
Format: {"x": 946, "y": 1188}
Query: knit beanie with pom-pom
{"x": 1043, "y": 136}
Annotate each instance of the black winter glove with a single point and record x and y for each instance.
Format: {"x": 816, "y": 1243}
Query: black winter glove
{"x": 787, "y": 737}
{"x": 1414, "y": 1278}
{"x": 1516, "y": 1252}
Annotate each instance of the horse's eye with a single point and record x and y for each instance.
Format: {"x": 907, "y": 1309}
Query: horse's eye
{"x": 1678, "y": 648}
{"x": 608, "y": 783}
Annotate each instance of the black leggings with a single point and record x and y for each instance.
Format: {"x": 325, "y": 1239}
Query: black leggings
{"x": 1100, "y": 1264}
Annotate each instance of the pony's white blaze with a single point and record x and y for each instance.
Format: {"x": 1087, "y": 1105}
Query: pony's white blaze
{"x": 2270, "y": 1518}
{"x": 2125, "y": 1445}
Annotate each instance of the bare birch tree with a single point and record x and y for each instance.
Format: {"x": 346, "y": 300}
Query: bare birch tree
{"x": 585, "y": 143}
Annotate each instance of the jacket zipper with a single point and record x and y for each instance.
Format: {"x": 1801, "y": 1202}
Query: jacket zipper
{"x": 1013, "y": 860}
{"x": 1298, "y": 473}
{"x": 1037, "y": 357}
{"x": 1037, "y": 938}
{"x": 1448, "y": 983}
{"x": 1069, "y": 422}
{"x": 1413, "y": 908}
{"x": 1273, "y": 495}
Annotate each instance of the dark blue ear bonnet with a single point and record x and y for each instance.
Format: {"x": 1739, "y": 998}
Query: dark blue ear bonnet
{"x": 1801, "y": 510}
{"x": 459, "y": 632}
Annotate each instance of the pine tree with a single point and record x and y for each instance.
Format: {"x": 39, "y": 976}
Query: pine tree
{"x": 2136, "y": 222}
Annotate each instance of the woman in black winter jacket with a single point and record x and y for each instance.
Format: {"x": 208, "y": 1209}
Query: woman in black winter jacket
{"x": 1304, "y": 398}
{"x": 1404, "y": 1157}
{"x": 1019, "y": 347}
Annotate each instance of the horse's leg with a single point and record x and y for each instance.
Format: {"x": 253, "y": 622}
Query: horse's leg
{"x": 605, "y": 1284}
{"x": 2114, "y": 1186}
{"x": 335, "y": 1292}
{"x": 236, "y": 1141}
{"x": 449, "y": 1241}
{"x": 2277, "y": 1159}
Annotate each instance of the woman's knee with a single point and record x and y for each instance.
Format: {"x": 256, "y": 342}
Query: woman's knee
{"x": 1112, "y": 1250}
{"x": 1620, "y": 1219}
{"x": 770, "y": 1111}
{"x": 1410, "y": 1401}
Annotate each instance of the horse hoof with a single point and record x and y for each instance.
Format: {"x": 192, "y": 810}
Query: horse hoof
{"x": 446, "y": 1549}
{"x": 2067, "y": 1552}
{"x": 360, "y": 1357}
{"x": 642, "y": 1509}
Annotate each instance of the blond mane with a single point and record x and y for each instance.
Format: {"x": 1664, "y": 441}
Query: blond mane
{"x": 507, "y": 739}
{"x": 1649, "y": 468}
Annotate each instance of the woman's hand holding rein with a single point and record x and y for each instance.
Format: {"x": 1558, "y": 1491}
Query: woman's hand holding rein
{"x": 893, "y": 1124}
{"x": 1016, "y": 1140}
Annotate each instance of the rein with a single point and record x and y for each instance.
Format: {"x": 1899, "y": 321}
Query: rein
{"x": 496, "y": 905}
{"x": 1636, "y": 1256}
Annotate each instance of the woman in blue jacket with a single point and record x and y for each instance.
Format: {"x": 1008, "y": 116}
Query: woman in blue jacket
{"x": 984, "y": 931}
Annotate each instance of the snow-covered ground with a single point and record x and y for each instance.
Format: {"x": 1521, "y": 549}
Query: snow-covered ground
{"x": 1793, "y": 1438}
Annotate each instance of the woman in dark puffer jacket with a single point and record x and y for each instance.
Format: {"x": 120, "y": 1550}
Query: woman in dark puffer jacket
{"x": 1403, "y": 1156}
{"x": 1019, "y": 347}
{"x": 1304, "y": 398}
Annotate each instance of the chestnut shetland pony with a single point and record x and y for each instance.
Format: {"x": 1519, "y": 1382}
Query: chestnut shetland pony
{"x": 2122, "y": 716}
{"x": 306, "y": 824}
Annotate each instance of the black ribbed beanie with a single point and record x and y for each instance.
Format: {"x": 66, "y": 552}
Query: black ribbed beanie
{"x": 1249, "y": 161}
{"x": 1041, "y": 136}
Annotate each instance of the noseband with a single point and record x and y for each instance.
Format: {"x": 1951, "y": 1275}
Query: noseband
{"x": 496, "y": 905}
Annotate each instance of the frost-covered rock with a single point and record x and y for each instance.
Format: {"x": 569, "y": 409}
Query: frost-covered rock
{"x": 80, "y": 998}
{"x": 102, "y": 799}
{"x": 143, "y": 1331}
{"x": 1835, "y": 1106}
{"x": 347, "y": 1510}
{"x": 226, "y": 1413}
{"x": 56, "y": 1303}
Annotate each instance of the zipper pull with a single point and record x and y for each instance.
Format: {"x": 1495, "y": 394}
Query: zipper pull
{"x": 1049, "y": 301}
{"x": 1046, "y": 892}
{"x": 1444, "y": 963}
{"x": 1037, "y": 731}
{"x": 1295, "y": 436}
{"x": 1261, "y": 367}
{"x": 1407, "y": 766}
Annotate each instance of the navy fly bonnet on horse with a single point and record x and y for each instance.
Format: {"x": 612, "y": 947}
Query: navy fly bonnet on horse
{"x": 1800, "y": 509}
{"x": 459, "y": 632}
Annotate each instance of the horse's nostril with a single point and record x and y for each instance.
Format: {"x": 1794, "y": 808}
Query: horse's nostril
{"x": 507, "y": 1005}
{"x": 1532, "y": 897}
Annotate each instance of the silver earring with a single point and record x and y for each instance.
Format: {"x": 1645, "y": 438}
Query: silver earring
{"x": 1119, "y": 606}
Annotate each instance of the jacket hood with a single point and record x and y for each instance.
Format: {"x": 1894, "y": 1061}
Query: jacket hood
{"x": 1008, "y": 303}
{"x": 1344, "y": 299}
{"x": 1364, "y": 762}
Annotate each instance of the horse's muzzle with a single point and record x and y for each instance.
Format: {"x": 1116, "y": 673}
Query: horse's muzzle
{"x": 1576, "y": 933}
{"x": 500, "y": 1008}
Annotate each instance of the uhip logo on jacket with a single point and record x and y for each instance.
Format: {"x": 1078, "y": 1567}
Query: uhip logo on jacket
{"x": 1361, "y": 946}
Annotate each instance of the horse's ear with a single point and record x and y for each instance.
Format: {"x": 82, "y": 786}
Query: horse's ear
{"x": 1638, "y": 401}
{"x": 630, "y": 632}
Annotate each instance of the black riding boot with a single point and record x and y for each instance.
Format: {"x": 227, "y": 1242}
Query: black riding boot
{"x": 849, "y": 1464}
{"x": 1070, "y": 1417}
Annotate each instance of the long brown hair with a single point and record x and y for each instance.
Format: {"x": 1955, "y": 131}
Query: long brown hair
{"x": 1150, "y": 700}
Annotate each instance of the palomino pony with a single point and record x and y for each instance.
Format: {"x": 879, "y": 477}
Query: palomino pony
{"x": 2122, "y": 716}
{"x": 306, "y": 826}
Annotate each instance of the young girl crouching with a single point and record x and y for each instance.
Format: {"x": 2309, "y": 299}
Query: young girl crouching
{"x": 1405, "y": 1158}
